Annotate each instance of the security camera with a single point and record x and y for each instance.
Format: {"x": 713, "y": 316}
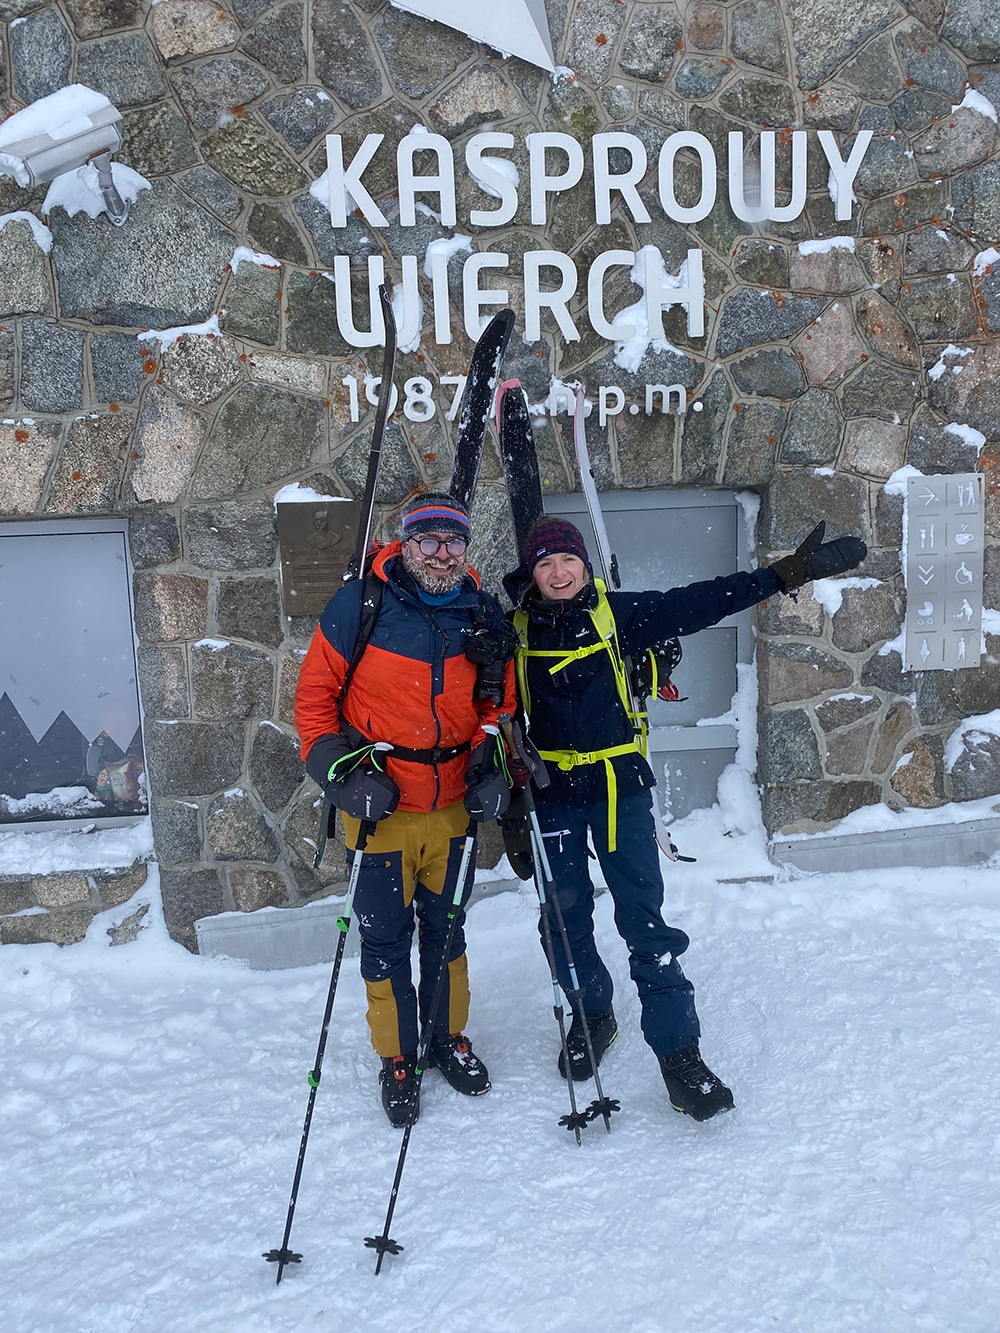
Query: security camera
{"x": 61, "y": 132}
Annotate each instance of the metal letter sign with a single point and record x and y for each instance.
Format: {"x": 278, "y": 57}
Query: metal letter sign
{"x": 944, "y": 572}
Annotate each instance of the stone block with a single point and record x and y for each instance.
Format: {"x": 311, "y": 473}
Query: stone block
{"x": 288, "y": 679}
{"x": 750, "y": 318}
{"x": 844, "y": 710}
{"x": 847, "y": 751}
{"x": 867, "y": 617}
{"x": 15, "y": 895}
{"x": 884, "y": 671}
{"x": 836, "y": 108}
{"x": 170, "y": 606}
{"x": 935, "y": 250}
{"x": 67, "y": 926}
{"x": 795, "y": 504}
{"x": 252, "y": 303}
{"x": 190, "y": 893}
{"x": 191, "y": 28}
{"x": 273, "y": 234}
{"x": 698, "y": 77}
{"x": 399, "y": 475}
{"x": 161, "y": 271}
{"x": 243, "y": 150}
{"x": 770, "y": 374}
{"x": 229, "y": 680}
{"x": 212, "y": 92}
{"x": 877, "y": 390}
{"x": 127, "y": 930}
{"x": 813, "y": 431}
{"x": 126, "y": 69}
{"x": 874, "y": 448}
{"x": 754, "y": 433}
{"x": 260, "y": 437}
{"x": 60, "y": 890}
{"x": 702, "y": 432}
{"x": 7, "y": 353}
{"x": 971, "y": 396}
{"x": 829, "y": 347}
{"x": 789, "y": 751}
{"x": 26, "y": 454}
{"x": 214, "y": 193}
{"x": 51, "y": 367}
{"x": 115, "y": 887}
{"x": 253, "y": 888}
{"x": 189, "y": 759}
{"x": 834, "y": 271}
{"x": 237, "y": 830}
{"x": 926, "y": 62}
{"x": 276, "y": 770}
{"x": 250, "y": 609}
{"x": 198, "y": 369}
{"x": 593, "y": 34}
{"x": 176, "y": 831}
{"x": 888, "y": 165}
{"x": 934, "y": 448}
{"x": 826, "y": 33}
{"x": 919, "y": 775}
{"x": 888, "y": 519}
{"x": 344, "y": 59}
{"x": 963, "y": 139}
{"x": 652, "y": 40}
{"x": 781, "y": 615}
{"x": 873, "y": 72}
{"x": 759, "y": 35}
{"x": 300, "y": 116}
{"x": 886, "y": 332}
{"x": 904, "y": 210}
{"x": 91, "y": 466}
{"x": 231, "y": 535}
{"x": 976, "y": 771}
{"x": 761, "y": 263}
{"x": 899, "y": 722}
{"x": 153, "y": 538}
{"x": 24, "y": 272}
{"x": 974, "y": 28}
{"x": 41, "y": 50}
{"x": 791, "y": 806}
{"x": 790, "y": 672}
{"x": 940, "y": 308}
{"x": 157, "y": 140}
{"x": 480, "y": 97}
{"x": 91, "y": 17}
{"x": 117, "y": 365}
{"x": 945, "y": 696}
{"x": 163, "y": 683}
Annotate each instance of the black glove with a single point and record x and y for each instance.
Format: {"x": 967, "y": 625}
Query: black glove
{"x": 816, "y": 559}
{"x": 350, "y": 781}
{"x": 487, "y": 793}
{"x": 528, "y": 766}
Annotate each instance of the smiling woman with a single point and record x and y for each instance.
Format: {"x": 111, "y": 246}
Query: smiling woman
{"x": 70, "y": 740}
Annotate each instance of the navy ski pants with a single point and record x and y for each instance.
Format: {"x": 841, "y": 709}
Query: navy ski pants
{"x": 669, "y": 1021}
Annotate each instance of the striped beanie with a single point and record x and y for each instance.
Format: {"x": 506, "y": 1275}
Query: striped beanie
{"x": 552, "y": 535}
{"x": 434, "y": 512}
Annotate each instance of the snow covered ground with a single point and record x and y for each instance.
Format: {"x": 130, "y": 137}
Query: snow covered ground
{"x": 152, "y": 1104}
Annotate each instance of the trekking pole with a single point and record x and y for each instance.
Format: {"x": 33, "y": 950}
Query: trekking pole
{"x": 547, "y": 895}
{"x": 384, "y": 1244}
{"x": 284, "y": 1255}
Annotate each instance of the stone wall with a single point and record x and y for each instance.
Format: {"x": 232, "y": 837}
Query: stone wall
{"x": 812, "y": 381}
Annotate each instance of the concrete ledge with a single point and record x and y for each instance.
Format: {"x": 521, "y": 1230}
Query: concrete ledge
{"x": 279, "y": 937}
{"x": 965, "y": 844}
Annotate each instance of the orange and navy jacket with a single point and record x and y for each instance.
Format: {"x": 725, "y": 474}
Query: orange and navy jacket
{"x": 413, "y": 687}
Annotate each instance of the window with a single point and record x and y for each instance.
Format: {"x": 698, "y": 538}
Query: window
{"x": 70, "y": 734}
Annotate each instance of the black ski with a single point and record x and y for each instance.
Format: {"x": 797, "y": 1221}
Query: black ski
{"x": 520, "y": 462}
{"x": 356, "y": 569}
{"x": 477, "y": 399}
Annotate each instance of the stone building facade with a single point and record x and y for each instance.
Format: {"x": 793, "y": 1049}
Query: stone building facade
{"x": 818, "y": 376}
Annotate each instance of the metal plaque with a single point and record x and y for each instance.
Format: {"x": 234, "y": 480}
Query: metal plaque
{"x": 316, "y": 538}
{"x": 944, "y": 572}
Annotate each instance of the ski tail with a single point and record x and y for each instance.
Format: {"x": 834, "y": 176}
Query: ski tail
{"x": 477, "y": 398}
{"x": 608, "y": 559}
{"x": 355, "y": 569}
{"x": 520, "y": 461}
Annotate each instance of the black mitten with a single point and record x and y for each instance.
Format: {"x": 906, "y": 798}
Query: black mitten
{"x": 487, "y": 790}
{"x": 816, "y": 559}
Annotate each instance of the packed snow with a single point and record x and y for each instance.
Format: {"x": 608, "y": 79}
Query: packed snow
{"x": 153, "y": 1105}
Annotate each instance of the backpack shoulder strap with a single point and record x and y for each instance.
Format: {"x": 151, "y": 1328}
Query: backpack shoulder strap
{"x": 371, "y": 604}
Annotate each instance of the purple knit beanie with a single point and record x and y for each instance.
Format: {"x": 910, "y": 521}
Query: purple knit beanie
{"x": 551, "y": 536}
{"x": 434, "y": 512}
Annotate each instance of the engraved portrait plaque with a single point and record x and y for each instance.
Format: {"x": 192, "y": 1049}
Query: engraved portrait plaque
{"x": 944, "y": 572}
{"x": 316, "y": 539}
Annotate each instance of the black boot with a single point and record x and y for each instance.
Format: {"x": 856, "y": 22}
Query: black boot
{"x": 694, "y": 1090}
{"x": 603, "y": 1030}
{"x": 459, "y": 1063}
{"x": 400, "y": 1094}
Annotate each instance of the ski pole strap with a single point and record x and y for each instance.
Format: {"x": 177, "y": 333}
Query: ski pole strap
{"x": 347, "y": 763}
{"x": 568, "y": 759}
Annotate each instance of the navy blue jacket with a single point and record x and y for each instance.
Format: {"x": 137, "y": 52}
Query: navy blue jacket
{"x": 578, "y": 708}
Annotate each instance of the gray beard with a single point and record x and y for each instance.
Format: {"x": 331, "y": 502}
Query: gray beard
{"x": 428, "y": 579}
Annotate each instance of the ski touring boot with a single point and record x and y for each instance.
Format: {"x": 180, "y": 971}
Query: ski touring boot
{"x": 692, "y": 1087}
{"x": 400, "y": 1093}
{"x": 458, "y": 1062}
{"x": 603, "y": 1031}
